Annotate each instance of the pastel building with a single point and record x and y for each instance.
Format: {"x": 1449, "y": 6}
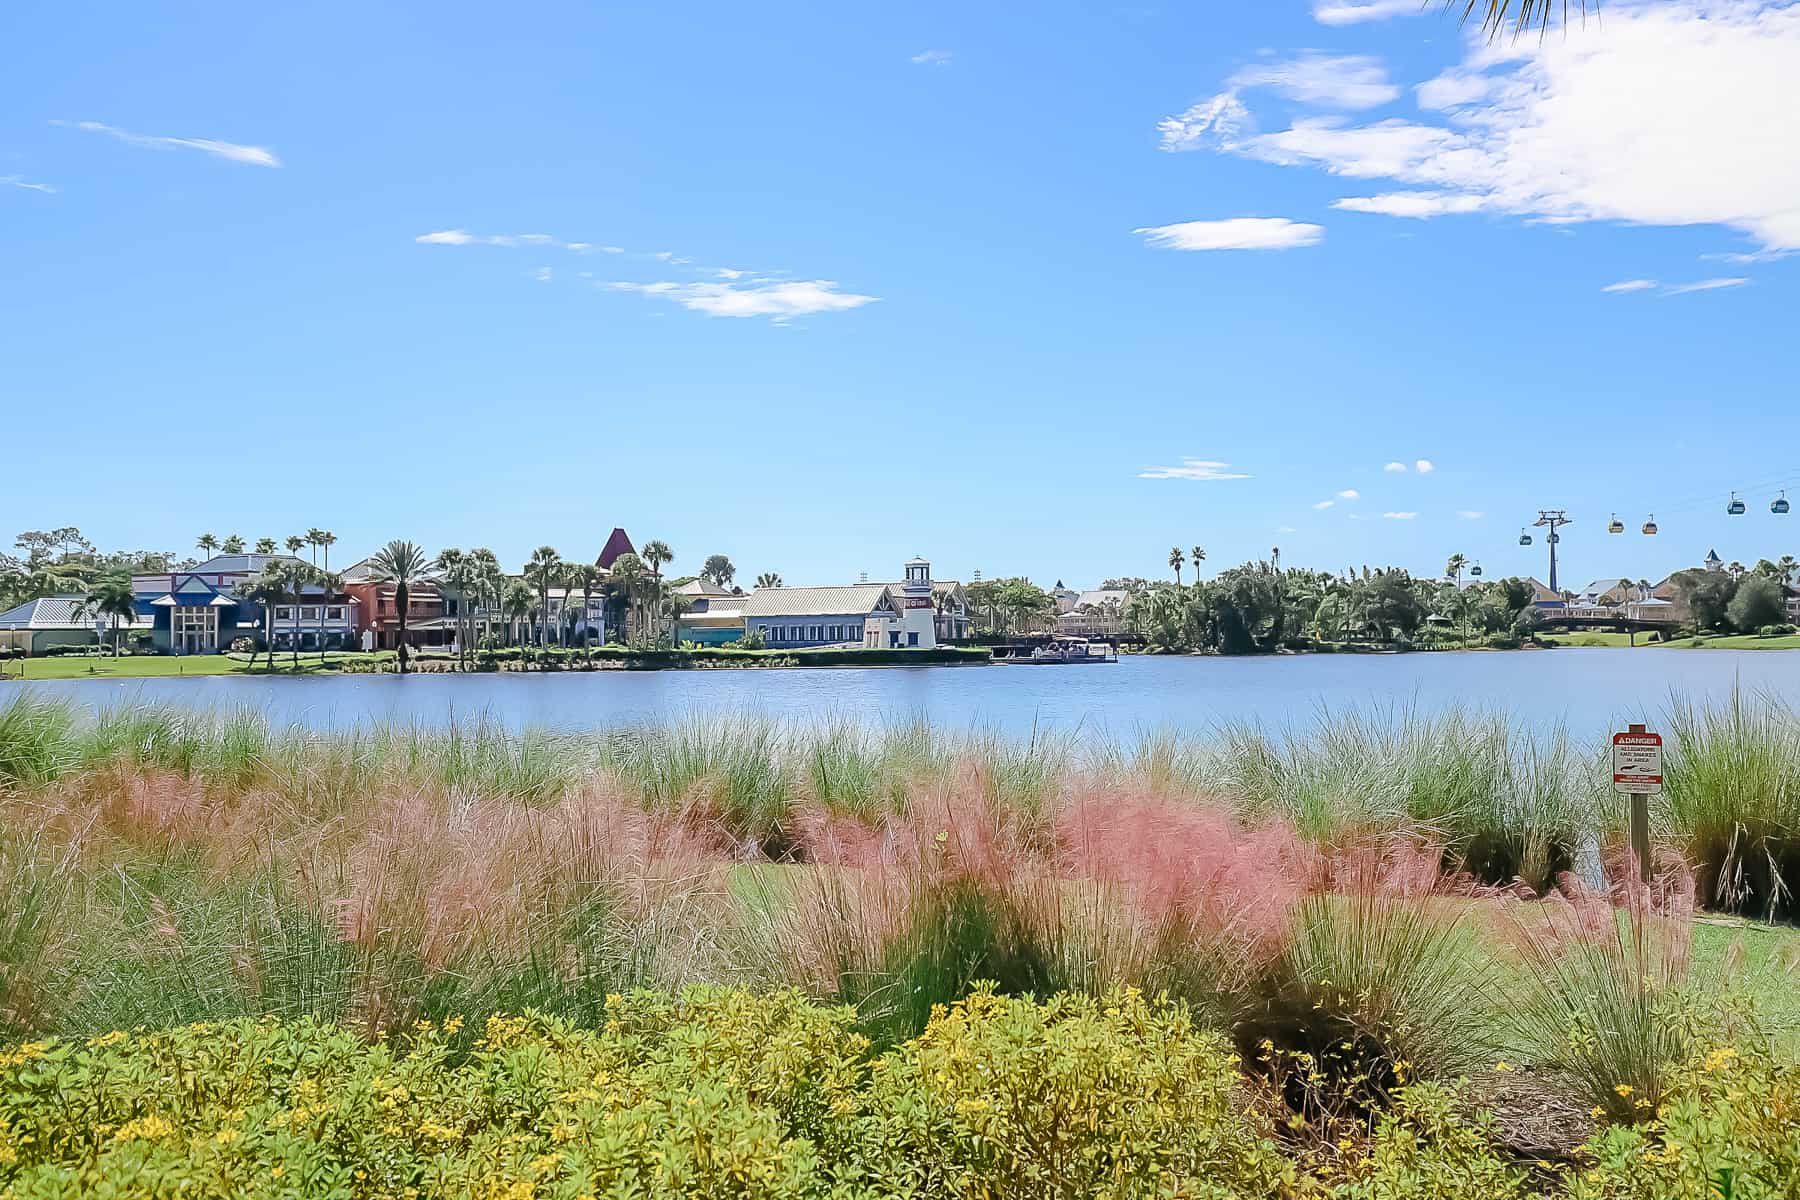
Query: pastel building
{"x": 710, "y": 615}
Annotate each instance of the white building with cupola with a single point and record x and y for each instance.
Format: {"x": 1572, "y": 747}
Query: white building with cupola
{"x": 875, "y": 616}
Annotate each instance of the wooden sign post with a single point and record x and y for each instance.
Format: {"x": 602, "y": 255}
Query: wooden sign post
{"x": 1638, "y": 773}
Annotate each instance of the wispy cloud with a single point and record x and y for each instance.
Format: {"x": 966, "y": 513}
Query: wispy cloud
{"x": 1631, "y": 285}
{"x": 256, "y": 156}
{"x": 462, "y": 237}
{"x": 1324, "y": 504}
{"x": 1349, "y": 494}
{"x": 543, "y": 274}
{"x": 1424, "y": 466}
{"x": 1352, "y": 81}
{"x": 1204, "y": 470}
{"x": 29, "y": 185}
{"x": 1394, "y": 467}
{"x": 1352, "y": 12}
{"x": 934, "y": 58}
{"x": 1398, "y": 516}
{"x": 1470, "y": 514}
{"x": 780, "y": 301}
{"x": 1286, "y": 529}
{"x": 1703, "y": 285}
{"x": 1238, "y": 233}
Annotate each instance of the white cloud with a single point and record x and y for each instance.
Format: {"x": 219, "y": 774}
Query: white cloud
{"x": 1395, "y": 467}
{"x": 1417, "y": 205}
{"x": 1287, "y": 529}
{"x": 1675, "y": 113}
{"x": 256, "y": 156}
{"x": 1470, "y": 514}
{"x": 1703, "y": 285}
{"x": 933, "y": 58}
{"x": 446, "y": 237}
{"x": 1398, "y": 516}
{"x": 778, "y": 301}
{"x": 1204, "y": 470}
{"x": 1351, "y": 12}
{"x": 1324, "y": 504}
{"x": 1238, "y": 233}
{"x": 1424, "y": 466}
{"x": 1220, "y": 120}
{"x": 542, "y": 274}
{"x": 1349, "y": 494}
{"x": 28, "y": 185}
{"x": 1353, "y": 81}
{"x": 1630, "y": 285}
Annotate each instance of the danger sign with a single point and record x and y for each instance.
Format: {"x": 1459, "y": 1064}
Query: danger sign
{"x": 1637, "y": 762}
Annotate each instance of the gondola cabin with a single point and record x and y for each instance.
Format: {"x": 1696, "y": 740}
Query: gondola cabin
{"x": 1524, "y": 538}
{"x": 1780, "y": 505}
{"x": 1615, "y": 525}
{"x": 1736, "y": 507}
{"x": 1650, "y": 526}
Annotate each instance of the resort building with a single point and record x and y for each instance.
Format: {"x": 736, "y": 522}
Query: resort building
{"x": 710, "y": 615}
{"x": 1098, "y": 613}
{"x": 430, "y": 614}
{"x": 40, "y": 625}
{"x": 872, "y": 615}
{"x": 199, "y": 610}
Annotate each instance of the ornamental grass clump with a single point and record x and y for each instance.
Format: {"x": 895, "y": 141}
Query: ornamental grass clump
{"x": 1377, "y": 986}
{"x": 1731, "y": 800}
{"x": 37, "y": 741}
{"x": 1602, "y": 1000}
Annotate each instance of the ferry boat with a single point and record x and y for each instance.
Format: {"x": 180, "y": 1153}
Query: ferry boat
{"x": 1064, "y": 651}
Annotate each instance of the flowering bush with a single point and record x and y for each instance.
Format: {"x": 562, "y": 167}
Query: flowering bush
{"x": 711, "y": 1094}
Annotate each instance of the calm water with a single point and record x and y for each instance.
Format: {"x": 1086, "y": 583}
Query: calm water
{"x": 1588, "y": 689}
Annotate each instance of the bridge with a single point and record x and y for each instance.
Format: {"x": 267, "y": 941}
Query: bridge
{"x": 1621, "y": 620}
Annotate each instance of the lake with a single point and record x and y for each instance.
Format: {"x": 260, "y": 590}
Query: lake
{"x": 1588, "y": 689}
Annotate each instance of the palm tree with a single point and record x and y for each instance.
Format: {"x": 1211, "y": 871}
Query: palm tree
{"x": 269, "y": 588}
{"x": 402, "y": 564}
{"x": 265, "y": 545}
{"x": 206, "y": 543}
{"x": 112, "y": 597}
{"x": 628, "y": 574}
{"x": 587, "y": 577}
{"x": 294, "y": 542}
{"x": 488, "y": 581}
{"x": 718, "y": 569}
{"x": 656, "y": 554}
{"x": 1789, "y": 569}
{"x": 298, "y": 576}
{"x": 232, "y": 545}
{"x": 769, "y": 579}
{"x": 544, "y": 569}
{"x": 1176, "y": 559}
{"x": 1198, "y": 556}
{"x": 516, "y": 602}
{"x": 312, "y": 537}
{"x": 456, "y": 574}
{"x": 323, "y": 538}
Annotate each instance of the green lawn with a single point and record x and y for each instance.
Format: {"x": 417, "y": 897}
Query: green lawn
{"x": 144, "y": 666}
{"x": 1743, "y": 641}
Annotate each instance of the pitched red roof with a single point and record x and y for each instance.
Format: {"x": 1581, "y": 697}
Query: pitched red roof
{"x": 619, "y": 543}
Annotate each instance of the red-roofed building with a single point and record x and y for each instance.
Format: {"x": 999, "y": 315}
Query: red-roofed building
{"x": 616, "y": 544}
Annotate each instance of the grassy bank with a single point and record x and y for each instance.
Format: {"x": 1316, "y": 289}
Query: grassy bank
{"x": 152, "y": 666}
{"x": 549, "y": 659}
{"x": 1736, "y": 641}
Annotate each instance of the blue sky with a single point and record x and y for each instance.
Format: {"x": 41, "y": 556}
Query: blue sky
{"x": 822, "y": 286}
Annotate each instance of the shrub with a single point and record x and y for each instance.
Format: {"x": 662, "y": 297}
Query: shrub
{"x": 709, "y": 1094}
{"x": 1429, "y": 1147}
{"x": 1729, "y": 1129}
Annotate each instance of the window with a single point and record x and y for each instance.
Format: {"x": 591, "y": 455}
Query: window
{"x": 284, "y": 613}
{"x": 912, "y": 639}
{"x": 310, "y": 613}
{"x": 335, "y": 613}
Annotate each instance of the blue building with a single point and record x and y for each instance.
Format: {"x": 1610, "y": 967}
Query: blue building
{"x": 199, "y": 610}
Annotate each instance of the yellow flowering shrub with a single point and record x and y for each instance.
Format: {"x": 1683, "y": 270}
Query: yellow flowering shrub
{"x": 710, "y": 1094}
{"x": 1728, "y": 1129}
